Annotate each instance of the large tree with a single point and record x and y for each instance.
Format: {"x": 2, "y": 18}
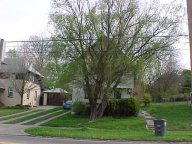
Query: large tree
{"x": 35, "y": 52}
{"x": 109, "y": 38}
{"x": 164, "y": 81}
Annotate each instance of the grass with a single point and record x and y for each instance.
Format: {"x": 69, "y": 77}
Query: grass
{"x": 178, "y": 115}
{"x": 44, "y": 118}
{"x": 7, "y": 111}
{"x": 106, "y": 134}
{"x": 17, "y": 115}
{"x": 31, "y": 116}
{"x": 133, "y": 123}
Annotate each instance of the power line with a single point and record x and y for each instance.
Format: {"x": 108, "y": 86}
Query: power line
{"x": 60, "y": 52}
{"x": 75, "y": 39}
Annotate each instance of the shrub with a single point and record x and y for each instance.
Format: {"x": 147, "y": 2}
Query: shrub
{"x": 146, "y": 99}
{"x": 18, "y": 106}
{"x": 134, "y": 106}
{"x": 79, "y": 107}
{"x": 122, "y": 107}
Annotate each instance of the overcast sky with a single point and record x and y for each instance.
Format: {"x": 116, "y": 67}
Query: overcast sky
{"x": 21, "y": 18}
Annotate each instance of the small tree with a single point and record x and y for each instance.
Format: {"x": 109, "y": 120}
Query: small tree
{"x": 20, "y": 76}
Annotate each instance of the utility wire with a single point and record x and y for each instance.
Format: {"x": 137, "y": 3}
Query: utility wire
{"x": 75, "y": 39}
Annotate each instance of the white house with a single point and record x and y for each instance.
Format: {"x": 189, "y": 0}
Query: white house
{"x": 123, "y": 90}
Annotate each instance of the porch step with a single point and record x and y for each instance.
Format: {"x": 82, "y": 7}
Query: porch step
{"x": 150, "y": 121}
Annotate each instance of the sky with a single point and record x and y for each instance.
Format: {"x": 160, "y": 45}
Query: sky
{"x": 20, "y": 19}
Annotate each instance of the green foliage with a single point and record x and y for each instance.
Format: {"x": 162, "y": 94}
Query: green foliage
{"x": 79, "y": 107}
{"x": 106, "y": 50}
{"x": 115, "y": 134}
{"x": 19, "y": 106}
{"x": 12, "y": 53}
{"x": 6, "y": 111}
{"x": 146, "y": 99}
{"x": 177, "y": 115}
{"x": 122, "y": 107}
{"x": 186, "y": 81}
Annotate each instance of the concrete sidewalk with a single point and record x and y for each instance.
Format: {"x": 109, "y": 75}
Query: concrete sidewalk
{"x": 46, "y": 107}
{"x": 12, "y": 129}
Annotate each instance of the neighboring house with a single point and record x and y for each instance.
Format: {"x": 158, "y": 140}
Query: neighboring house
{"x": 123, "y": 90}
{"x": 11, "y": 80}
{"x": 15, "y": 73}
{"x": 55, "y": 96}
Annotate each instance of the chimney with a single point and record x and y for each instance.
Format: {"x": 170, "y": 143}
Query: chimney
{"x": 2, "y": 49}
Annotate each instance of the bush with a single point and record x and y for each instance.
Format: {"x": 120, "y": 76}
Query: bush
{"x": 79, "y": 107}
{"x": 146, "y": 99}
{"x": 122, "y": 107}
{"x": 18, "y": 106}
{"x": 134, "y": 106}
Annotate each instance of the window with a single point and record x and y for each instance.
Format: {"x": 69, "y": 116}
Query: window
{"x": 35, "y": 95}
{"x": 10, "y": 92}
{"x": 129, "y": 91}
{"x": 31, "y": 77}
{"x": 28, "y": 94}
{"x": 117, "y": 94}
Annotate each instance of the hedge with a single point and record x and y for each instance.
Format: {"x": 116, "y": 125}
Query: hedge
{"x": 122, "y": 107}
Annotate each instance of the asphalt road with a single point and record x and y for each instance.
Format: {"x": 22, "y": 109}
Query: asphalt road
{"x": 13, "y": 139}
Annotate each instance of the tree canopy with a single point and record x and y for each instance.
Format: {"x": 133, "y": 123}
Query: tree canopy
{"x": 110, "y": 38}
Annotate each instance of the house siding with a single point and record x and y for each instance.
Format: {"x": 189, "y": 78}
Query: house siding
{"x": 78, "y": 94}
{"x": 9, "y": 101}
{"x": 123, "y": 93}
{"x": 16, "y": 99}
{"x": 33, "y": 99}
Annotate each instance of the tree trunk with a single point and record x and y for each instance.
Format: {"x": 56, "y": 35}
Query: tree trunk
{"x": 21, "y": 99}
{"x": 102, "y": 107}
{"x": 22, "y": 90}
{"x": 93, "y": 111}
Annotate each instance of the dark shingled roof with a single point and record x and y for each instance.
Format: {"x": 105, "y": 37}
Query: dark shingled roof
{"x": 16, "y": 65}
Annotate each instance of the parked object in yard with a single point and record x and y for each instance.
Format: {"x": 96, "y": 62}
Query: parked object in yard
{"x": 160, "y": 127}
{"x": 67, "y": 104}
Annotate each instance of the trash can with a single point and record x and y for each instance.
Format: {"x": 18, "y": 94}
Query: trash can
{"x": 160, "y": 127}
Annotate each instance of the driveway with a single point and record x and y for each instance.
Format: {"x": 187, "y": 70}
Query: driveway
{"x": 12, "y": 129}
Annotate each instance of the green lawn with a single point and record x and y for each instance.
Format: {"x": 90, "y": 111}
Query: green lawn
{"x": 132, "y": 123}
{"x": 105, "y": 134}
{"x": 32, "y": 116}
{"x": 44, "y": 118}
{"x": 17, "y": 115}
{"x": 7, "y": 111}
{"x": 178, "y": 115}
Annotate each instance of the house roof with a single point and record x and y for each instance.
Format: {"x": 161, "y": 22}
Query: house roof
{"x": 16, "y": 65}
{"x": 31, "y": 69}
{"x": 56, "y": 90}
